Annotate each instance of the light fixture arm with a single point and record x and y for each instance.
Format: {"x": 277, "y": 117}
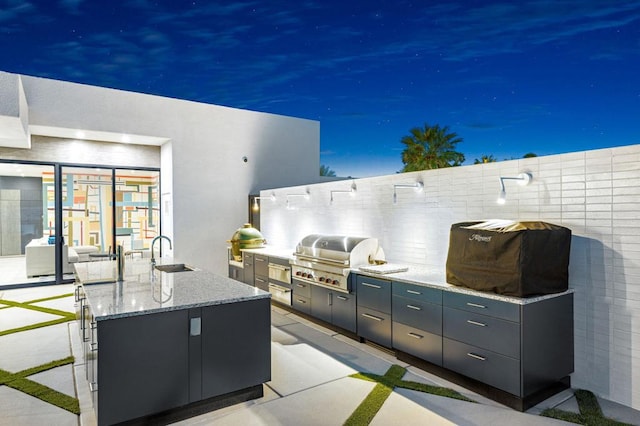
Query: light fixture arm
{"x": 342, "y": 191}
{"x": 256, "y": 206}
{"x": 523, "y": 180}
{"x": 418, "y": 186}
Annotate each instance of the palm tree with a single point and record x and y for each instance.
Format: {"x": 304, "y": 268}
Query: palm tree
{"x": 485, "y": 159}
{"x": 326, "y": 171}
{"x": 431, "y": 147}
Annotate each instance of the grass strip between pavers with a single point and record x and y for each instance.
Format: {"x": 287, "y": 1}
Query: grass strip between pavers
{"x": 367, "y": 410}
{"x": 590, "y": 412}
{"x": 19, "y": 381}
{"x": 66, "y": 316}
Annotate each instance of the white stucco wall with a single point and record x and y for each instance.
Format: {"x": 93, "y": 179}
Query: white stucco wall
{"x": 209, "y": 182}
{"x": 596, "y": 194}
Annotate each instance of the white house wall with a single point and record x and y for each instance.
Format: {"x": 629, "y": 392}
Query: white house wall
{"x": 594, "y": 193}
{"x": 210, "y": 182}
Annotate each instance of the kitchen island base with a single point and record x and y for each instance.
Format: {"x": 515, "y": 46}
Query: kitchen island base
{"x": 199, "y": 408}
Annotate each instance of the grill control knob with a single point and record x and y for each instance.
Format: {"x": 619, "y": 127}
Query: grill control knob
{"x": 335, "y": 282}
{"x": 310, "y": 276}
{"x": 304, "y": 275}
{"x": 298, "y": 273}
{"x": 321, "y": 279}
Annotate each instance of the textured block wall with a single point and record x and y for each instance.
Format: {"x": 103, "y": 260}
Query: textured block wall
{"x": 594, "y": 193}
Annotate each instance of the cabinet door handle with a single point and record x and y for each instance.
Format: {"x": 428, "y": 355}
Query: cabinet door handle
{"x": 479, "y": 324}
{"x": 414, "y": 292}
{"x": 260, "y": 280}
{"x": 415, "y": 336}
{"x": 301, "y": 285}
{"x": 93, "y": 386}
{"x": 330, "y": 299}
{"x": 476, "y": 305}
{"x": 373, "y": 317}
{"x": 258, "y": 259}
{"x": 76, "y": 293}
{"x": 341, "y": 298}
{"x": 93, "y": 346}
{"x": 304, "y": 302}
{"x": 415, "y": 308}
{"x": 474, "y": 356}
{"x": 85, "y": 308}
{"x": 372, "y": 285}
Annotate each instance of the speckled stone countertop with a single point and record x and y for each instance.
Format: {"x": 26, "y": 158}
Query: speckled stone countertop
{"x": 282, "y": 253}
{"x": 146, "y": 291}
{"x": 436, "y": 278}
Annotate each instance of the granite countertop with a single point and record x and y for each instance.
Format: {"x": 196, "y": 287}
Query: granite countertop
{"x": 144, "y": 292}
{"x": 436, "y": 278}
{"x": 282, "y": 253}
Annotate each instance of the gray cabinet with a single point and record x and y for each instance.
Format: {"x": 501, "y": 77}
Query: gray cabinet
{"x": 236, "y": 272}
{"x": 261, "y": 271}
{"x": 301, "y": 298}
{"x": 374, "y": 309}
{"x": 143, "y": 365}
{"x": 519, "y": 349}
{"x": 247, "y": 262}
{"x": 417, "y": 321}
{"x": 334, "y": 307}
{"x": 236, "y": 346}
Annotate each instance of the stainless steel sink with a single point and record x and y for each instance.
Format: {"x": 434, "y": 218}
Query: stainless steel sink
{"x": 177, "y": 267}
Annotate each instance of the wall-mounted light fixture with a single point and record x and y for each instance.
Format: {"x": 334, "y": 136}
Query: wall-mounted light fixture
{"x": 523, "y": 180}
{"x": 416, "y": 186}
{"x": 306, "y": 196}
{"x": 350, "y": 191}
{"x": 256, "y": 206}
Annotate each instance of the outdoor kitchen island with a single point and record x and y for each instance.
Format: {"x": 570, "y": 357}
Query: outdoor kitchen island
{"x": 170, "y": 345}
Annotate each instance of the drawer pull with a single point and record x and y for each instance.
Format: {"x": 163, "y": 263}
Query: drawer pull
{"x": 260, "y": 280}
{"x": 415, "y": 336}
{"x": 414, "y": 292}
{"x": 372, "y": 285}
{"x": 301, "y": 285}
{"x": 476, "y": 305}
{"x": 302, "y": 301}
{"x": 93, "y": 386}
{"x": 479, "y": 324}
{"x": 341, "y": 298}
{"x": 259, "y": 259}
{"x": 373, "y": 317}
{"x": 416, "y": 308}
{"x": 474, "y": 356}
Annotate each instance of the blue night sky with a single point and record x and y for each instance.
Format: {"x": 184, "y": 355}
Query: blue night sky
{"x": 542, "y": 76}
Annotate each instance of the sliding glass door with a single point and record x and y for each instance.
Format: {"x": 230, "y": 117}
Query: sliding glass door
{"x": 137, "y": 210}
{"x": 27, "y": 219}
{"x": 93, "y": 209}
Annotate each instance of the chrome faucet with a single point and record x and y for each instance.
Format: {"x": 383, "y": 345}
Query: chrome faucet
{"x": 153, "y": 259}
{"x": 120, "y": 262}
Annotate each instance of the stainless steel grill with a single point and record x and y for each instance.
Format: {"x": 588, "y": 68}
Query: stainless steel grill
{"x": 326, "y": 260}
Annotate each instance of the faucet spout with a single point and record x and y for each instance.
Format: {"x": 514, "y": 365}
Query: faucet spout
{"x": 159, "y": 237}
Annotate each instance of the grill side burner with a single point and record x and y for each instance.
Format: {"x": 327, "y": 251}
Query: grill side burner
{"x": 326, "y": 260}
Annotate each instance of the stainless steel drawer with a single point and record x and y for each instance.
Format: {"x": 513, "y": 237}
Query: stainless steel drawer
{"x": 374, "y": 293}
{"x": 301, "y": 288}
{"x": 374, "y": 325}
{"x": 482, "y": 305}
{"x": 417, "y": 313}
{"x": 416, "y": 342}
{"x": 301, "y": 303}
{"x": 488, "y": 367}
{"x": 417, "y": 292}
{"x": 489, "y": 333}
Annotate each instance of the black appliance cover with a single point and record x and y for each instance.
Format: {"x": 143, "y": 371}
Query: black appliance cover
{"x": 523, "y": 259}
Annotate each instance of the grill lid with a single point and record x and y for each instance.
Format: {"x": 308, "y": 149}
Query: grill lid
{"x": 337, "y": 249}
